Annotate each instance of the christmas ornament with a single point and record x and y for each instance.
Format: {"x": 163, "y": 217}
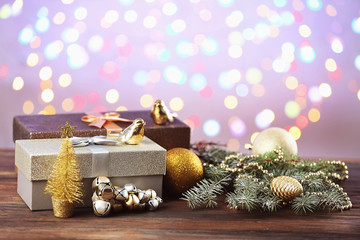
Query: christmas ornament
{"x": 183, "y": 170}
{"x": 286, "y": 188}
{"x": 161, "y": 114}
{"x": 107, "y": 198}
{"x": 274, "y": 137}
{"x": 65, "y": 182}
{"x": 260, "y": 182}
{"x": 101, "y": 208}
{"x": 133, "y": 134}
{"x": 67, "y": 130}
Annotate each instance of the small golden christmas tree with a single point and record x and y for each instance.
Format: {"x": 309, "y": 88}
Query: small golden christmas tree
{"x": 64, "y": 184}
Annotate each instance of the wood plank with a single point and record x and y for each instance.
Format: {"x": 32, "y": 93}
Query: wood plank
{"x": 174, "y": 220}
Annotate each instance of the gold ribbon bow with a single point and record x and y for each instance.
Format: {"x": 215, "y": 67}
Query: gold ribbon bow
{"x": 105, "y": 120}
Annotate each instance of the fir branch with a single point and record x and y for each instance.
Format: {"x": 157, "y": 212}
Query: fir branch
{"x": 205, "y": 193}
{"x": 242, "y": 200}
{"x": 305, "y": 203}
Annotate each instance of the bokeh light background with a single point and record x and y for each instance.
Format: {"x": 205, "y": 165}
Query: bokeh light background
{"x": 229, "y": 68}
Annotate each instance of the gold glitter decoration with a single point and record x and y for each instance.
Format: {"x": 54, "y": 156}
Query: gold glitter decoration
{"x": 183, "y": 170}
{"x": 286, "y": 188}
{"x": 62, "y": 208}
{"x": 67, "y": 130}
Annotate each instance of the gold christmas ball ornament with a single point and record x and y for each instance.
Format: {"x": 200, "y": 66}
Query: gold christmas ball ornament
{"x": 183, "y": 170}
{"x": 274, "y": 137}
{"x": 286, "y": 188}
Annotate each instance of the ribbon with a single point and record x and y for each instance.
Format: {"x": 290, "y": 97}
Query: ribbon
{"x": 100, "y": 156}
{"x": 105, "y": 120}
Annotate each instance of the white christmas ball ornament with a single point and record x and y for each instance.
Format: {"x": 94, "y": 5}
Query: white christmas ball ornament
{"x": 273, "y": 137}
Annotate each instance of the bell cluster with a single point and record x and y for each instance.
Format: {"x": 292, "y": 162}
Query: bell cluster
{"x": 109, "y": 198}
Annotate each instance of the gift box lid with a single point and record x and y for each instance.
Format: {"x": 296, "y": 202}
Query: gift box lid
{"x": 35, "y": 159}
{"x": 174, "y": 134}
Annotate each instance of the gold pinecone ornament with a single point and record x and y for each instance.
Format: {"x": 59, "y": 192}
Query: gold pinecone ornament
{"x": 286, "y": 188}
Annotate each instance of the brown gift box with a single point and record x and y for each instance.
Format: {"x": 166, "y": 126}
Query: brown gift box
{"x": 171, "y": 135}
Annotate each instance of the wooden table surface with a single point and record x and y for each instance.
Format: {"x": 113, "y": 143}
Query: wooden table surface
{"x": 175, "y": 220}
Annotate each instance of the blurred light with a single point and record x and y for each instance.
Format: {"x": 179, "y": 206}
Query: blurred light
{"x": 258, "y": 90}
{"x": 26, "y": 35}
{"x": 70, "y": 35}
{"x": 186, "y": 49}
{"x": 198, "y": 82}
{"x": 146, "y": 101}
{"x": 237, "y": 127}
{"x": 357, "y": 62}
{"x": 358, "y": 95}
{"x": 230, "y": 102}
{"x": 225, "y": 3}
{"x": 301, "y": 90}
{"x": 121, "y": 40}
{"x": 18, "y": 83}
{"x": 53, "y": 49}
{"x": 280, "y": 3}
{"x": 236, "y": 38}
{"x": 263, "y": 10}
{"x": 233, "y": 145}
{"x": 210, "y": 46}
{"x": 111, "y": 16}
{"x": 112, "y": 96}
{"x": 295, "y": 132}
{"x": 205, "y": 15}
{"x": 65, "y": 80}
{"x": 67, "y": 1}
{"x": 80, "y": 13}
{"x": 121, "y": 108}
{"x": 275, "y": 19}
{"x": 355, "y": 25}
{"x": 28, "y": 107}
{"x": 235, "y": 51}
{"x": 234, "y": 19}
{"x": 42, "y": 24}
{"x": 140, "y": 77}
{"x": 314, "y": 94}
{"x": 291, "y": 82}
{"x": 96, "y": 43}
{"x": 228, "y": 79}
{"x": 302, "y": 121}
{"x": 292, "y": 109}
{"x": 336, "y": 75}
{"x": 242, "y": 90}
{"x": 126, "y": 2}
{"x": 331, "y": 10}
{"x": 174, "y": 75}
{"x": 67, "y": 105}
{"x": 314, "y": 5}
{"x": 176, "y": 104}
{"x": 264, "y": 118}
{"x": 47, "y": 95}
{"x": 16, "y": 7}
{"x": 325, "y": 90}
{"x": 249, "y": 34}
{"x": 93, "y": 97}
{"x": 32, "y": 60}
{"x": 253, "y": 75}
{"x": 307, "y": 54}
{"x": 43, "y": 12}
{"x": 4, "y": 71}
{"x": 337, "y": 45}
{"x": 35, "y": 42}
{"x": 178, "y": 26}
{"x": 253, "y": 136}
{"x": 78, "y": 57}
{"x": 288, "y": 47}
{"x": 130, "y": 16}
{"x": 169, "y": 8}
{"x": 287, "y": 18}
{"x": 5, "y": 11}
{"x": 164, "y": 55}
{"x": 211, "y": 128}
{"x": 304, "y": 31}
{"x": 150, "y": 22}
{"x": 59, "y": 18}
{"x": 314, "y": 115}
{"x": 45, "y": 73}
{"x": 79, "y": 102}
{"x": 279, "y": 65}
{"x": 48, "y": 110}
{"x": 330, "y": 65}
{"x": 46, "y": 84}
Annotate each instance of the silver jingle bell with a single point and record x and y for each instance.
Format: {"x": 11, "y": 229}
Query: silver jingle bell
{"x": 143, "y": 196}
{"x": 121, "y": 194}
{"x": 131, "y": 188}
{"x": 151, "y": 193}
{"x": 160, "y": 201}
{"x": 101, "y": 208}
{"x": 105, "y": 191}
{"x": 133, "y": 202}
{"x": 98, "y": 180}
{"x": 95, "y": 197}
{"x": 152, "y": 205}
